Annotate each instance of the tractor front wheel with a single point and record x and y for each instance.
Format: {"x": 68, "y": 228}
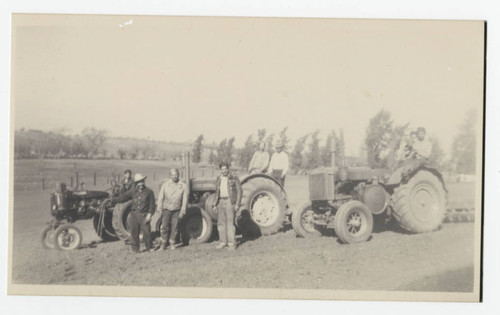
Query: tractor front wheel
{"x": 303, "y": 221}
{"x": 353, "y": 222}
{"x": 67, "y": 237}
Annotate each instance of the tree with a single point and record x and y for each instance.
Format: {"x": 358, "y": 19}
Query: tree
{"x": 212, "y": 158}
{"x": 225, "y": 150}
{"x": 463, "y": 149}
{"x": 314, "y": 154}
{"x": 382, "y": 139}
{"x": 261, "y": 134}
{"x": 197, "y": 149}
{"x": 297, "y": 157}
{"x": 246, "y": 153}
{"x": 326, "y": 152}
{"x": 121, "y": 153}
{"x": 437, "y": 154}
{"x": 269, "y": 144}
{"x": 284, "y": 138}
{"x": 94, "y": 139}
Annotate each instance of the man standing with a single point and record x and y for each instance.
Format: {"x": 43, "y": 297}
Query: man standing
{"x": 142, "y": 208}
{"x": 422, "y": 146}
{"x": 227, "y": 200}
{"x": 260, "y": 160}
{"x": 127, "y": 182}
{"x": 172, "y": 202}
{"x": 279, "y": 163}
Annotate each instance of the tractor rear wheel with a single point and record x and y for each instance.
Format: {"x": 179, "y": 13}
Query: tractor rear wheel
{"x": 196, "y": 226}
{"x": 303, "y": 220}
{"x": 108, "y": 232}
{"x": 119, "y": 221}
{"x": 353, "y": 222}
{"x": 265, "y": 201}
{"x": 47, "y": 237}
{"x": 420, "y": 204}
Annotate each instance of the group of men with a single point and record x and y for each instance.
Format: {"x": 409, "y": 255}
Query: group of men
{"x": 277, "y": 166}
{"x": 173, "y": 196}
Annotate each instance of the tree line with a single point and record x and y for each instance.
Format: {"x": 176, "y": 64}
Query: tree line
{"x": 382, "y": 138}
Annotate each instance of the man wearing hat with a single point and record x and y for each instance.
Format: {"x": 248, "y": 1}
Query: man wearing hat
{"x": 278, "y": 167}
{"x": 142, "y": 209}
{"x": 421, "y": 146}
{"x": 260, "y": 160}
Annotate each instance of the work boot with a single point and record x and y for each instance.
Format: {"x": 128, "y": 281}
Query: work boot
{"x": 220, "y": 246}
{"x": 231, "y": 247}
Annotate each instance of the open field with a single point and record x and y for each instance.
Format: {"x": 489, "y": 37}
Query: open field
{"x": 391, "y": 260}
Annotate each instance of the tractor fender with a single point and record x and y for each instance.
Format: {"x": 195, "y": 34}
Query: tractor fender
{"x": 246, "y": 178}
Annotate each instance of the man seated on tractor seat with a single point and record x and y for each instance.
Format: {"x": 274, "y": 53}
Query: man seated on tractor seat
{"x": 420, "y": 150}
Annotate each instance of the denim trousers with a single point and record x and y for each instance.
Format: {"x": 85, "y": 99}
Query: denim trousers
{"x": 169, "y": 225}
{"x": 137, "y": 223}
{"x": 225, "y": 222}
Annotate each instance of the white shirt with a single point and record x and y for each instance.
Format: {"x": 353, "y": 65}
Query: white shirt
{"x": 279, "y": 161}
{"x": 423, "y": 148}
{"x": 223, "y": 187}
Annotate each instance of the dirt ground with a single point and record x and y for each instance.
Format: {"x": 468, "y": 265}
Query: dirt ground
{"x": 390, "y": 260}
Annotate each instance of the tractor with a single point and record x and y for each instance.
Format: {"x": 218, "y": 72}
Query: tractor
{"x": 348, "y": 199}
{"x": 263, "y": 210}
{"x": 68, "y": 206}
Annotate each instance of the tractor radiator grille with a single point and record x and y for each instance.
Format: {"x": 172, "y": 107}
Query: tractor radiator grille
{"x": 321, "y": 186}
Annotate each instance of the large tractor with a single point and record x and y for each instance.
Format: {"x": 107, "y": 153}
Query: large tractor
{"x": 263, "y": 209}
{"x": 348, "y": 199}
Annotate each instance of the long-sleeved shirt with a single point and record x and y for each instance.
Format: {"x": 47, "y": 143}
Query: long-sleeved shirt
{"x": 173, "y": 196}
{"x": 423, "y": 148}
{"x": 279, "y": 161}
{"x": 259, "y": 162}
{"x": 143, "y": 201}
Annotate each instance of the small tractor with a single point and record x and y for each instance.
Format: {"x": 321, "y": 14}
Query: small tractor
{"x": 348, "y": 199}
{"x": 263, "y": 209}
{"x": 68, "y": 206}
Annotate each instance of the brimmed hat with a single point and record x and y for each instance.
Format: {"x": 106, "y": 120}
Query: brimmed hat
{"x": 279, "y": 144}
{"x": 139, "y": 177}
{"x": 421, "y": 129}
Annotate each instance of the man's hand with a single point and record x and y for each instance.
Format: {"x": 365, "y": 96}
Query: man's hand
{"x": 215, "y": 208}
{"x": 235, "y": 208}
{"x": 148, "y": 218}
{"x": 182, "y": 214}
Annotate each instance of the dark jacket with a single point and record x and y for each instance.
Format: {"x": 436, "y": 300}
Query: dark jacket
{"x": 126, "y": 186}
{"x": 143, "y": 201}
{"x": 233, "y": 188}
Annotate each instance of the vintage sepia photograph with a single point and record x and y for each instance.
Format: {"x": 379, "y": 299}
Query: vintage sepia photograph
{"x": 245, "y": 157}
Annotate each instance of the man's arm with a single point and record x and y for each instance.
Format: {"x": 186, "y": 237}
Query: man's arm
{"x": 266, "y": 162}
{"x": 217, "y": 192}
{"x": 126, "y": 196}
{"x": 185, "y": 194}
{"x": 252, "y": 161}
{"x": 161, "y": 198}
{"x": 238, "y": 190}
{"x": 151, "y": 209}
{"x": 285, "y": 165}
{"x": 271, "y": 164}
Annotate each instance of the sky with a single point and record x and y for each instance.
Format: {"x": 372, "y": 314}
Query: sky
{"x": 173, "y": 78}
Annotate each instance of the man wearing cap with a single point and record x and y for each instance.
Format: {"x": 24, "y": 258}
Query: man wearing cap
{"x": 422, "y": 147}
{"x": 172, "y": 203}
{"x": 227, "y": 202}
{"x": 260, "y": 160}
{"x": 278, "y": 167}
{"x": 127, "y": 182}
{"x": 142, "y": 209}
